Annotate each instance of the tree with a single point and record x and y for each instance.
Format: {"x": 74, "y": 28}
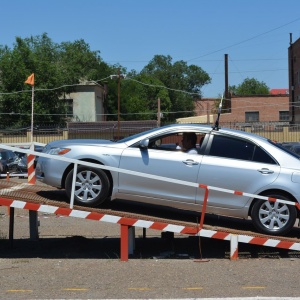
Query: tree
{"x": 140, "y": 97}
{"x": 57, "y": 68}
{"x": 183, "y": 83}
{"x": 250, "y": 86}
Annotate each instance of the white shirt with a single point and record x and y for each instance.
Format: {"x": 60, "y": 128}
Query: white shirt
{"x": 192, "y": 151}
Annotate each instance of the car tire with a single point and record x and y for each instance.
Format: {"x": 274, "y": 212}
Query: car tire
{"x": 273, "y": 218}
{"x": 92, "y": 186}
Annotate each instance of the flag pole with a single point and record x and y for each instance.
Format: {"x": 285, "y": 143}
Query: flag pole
{"x": 32, "y": 105}
{"x": 30, "y": 80}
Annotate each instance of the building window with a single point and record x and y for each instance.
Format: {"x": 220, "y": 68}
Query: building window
{"x": 69, "y": 107}
{"x": 252, "y": 116}
{"x": 284, "y": 115}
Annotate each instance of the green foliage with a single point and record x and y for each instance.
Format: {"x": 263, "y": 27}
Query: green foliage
{"x": 184, "y": 83}
{"x": 59, "y": 67}
{"x": 140, "y": 98}
{"x": 250, "y": 86}
{"x": 54, "y": 66}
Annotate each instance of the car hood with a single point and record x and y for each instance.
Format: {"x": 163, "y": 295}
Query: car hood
{"x": 90, "y": 142}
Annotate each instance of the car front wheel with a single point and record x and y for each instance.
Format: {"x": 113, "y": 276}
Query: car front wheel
{"x": 273, "y": 218}
{"x": 91, "y": 188}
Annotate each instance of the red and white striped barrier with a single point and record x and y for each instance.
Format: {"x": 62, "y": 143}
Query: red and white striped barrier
{"x": 239, "y": 193}
{"x": 155, "y": 225}
{"x": 161, "y": 226}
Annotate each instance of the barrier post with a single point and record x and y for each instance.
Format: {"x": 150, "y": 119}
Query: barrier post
{"x": 204, "y": 207}
{"x": 33, "y": 225}
{"x": 73, "y": 185}
{"x": 11, "y": 225}
{"x": 131, "y": 240}
{"x": 233, "y": 247}
{"x": 30, "y": 167}
{"x": 124, "y": 242}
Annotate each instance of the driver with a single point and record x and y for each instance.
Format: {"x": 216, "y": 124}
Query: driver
{"x": 189, "y": 142}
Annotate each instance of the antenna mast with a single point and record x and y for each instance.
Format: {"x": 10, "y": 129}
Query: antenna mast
{"x": 216, "y": 126}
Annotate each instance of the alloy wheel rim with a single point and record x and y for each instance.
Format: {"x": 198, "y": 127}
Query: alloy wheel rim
{"x": 88, "y": 186}
{"x": 274, "y": 215}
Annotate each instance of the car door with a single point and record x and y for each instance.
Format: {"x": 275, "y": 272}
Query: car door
{"x": 235, "y": 164}
{"x": 160, "y": 162}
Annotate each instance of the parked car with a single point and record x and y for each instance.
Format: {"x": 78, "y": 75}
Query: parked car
{"x": 9, "y": 161}
{"x": 228, "y": 159}
{"x": 296, "y": 149}
{"x": 22, "y": 164}
{"x": 292, "y": 146}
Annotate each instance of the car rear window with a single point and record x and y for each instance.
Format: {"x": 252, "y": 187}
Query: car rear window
{"x": 236, "y": 148}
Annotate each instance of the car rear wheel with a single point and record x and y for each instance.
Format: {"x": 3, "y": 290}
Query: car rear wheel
{"x": 91, "y": 188}
{"x": 273, "y": 218}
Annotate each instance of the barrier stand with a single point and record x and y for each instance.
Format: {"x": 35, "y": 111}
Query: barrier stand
{"x": 128, "y": 225}
{"x": 204, "y": 204}
{"x": 234, "y": 247}
{"x": 203, "y": 211}
{"x": 127, "y": 241}
{"x": 124, "y": 243}
{"x": 33, "y": 225}
{"x": 7, "y": 179}
{"x": 11, "y": 225}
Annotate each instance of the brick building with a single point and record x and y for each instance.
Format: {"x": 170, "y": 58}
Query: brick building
{"x": 243, "y": 109}
{"x": 294, "y": 81}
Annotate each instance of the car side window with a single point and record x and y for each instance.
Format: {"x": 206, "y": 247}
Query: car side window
{"x": 167, "y": 143}
{"x": 235, "y": 148}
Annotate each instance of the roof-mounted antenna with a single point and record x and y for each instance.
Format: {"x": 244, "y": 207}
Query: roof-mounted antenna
{"x": 216, "y": 126}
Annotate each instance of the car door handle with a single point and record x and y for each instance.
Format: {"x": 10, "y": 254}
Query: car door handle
{"x": 265, "y": 171}
{"x": 190, "y": 162}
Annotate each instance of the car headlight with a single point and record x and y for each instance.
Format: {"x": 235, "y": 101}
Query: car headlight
{"x": 58, "y": 151}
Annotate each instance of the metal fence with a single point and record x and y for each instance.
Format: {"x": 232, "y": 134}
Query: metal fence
{"x": 111, "y": 130}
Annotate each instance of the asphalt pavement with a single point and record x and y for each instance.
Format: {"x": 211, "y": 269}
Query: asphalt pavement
{"x": 80, "y": 259}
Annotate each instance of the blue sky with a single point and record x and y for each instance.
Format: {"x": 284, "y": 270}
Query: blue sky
{"x": 254, "y": 33}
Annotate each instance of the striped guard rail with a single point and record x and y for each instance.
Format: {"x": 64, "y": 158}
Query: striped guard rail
{"x": 161, "y": 226}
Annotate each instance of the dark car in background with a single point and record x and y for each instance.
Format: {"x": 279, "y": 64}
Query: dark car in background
{"x": 22, "y": 164}
{"x": 9, "y": 161}
{"x": 292, "y": 146}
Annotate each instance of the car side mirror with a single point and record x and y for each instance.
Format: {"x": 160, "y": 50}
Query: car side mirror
{"x": 144, "y": 144}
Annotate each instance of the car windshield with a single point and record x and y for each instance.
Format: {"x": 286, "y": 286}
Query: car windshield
{"x": 285, "y": 149}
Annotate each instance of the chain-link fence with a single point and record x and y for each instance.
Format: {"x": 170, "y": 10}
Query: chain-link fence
{"x": 112, "y": 130}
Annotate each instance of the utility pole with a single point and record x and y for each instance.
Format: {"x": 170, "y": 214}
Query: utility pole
{"x": 226, "y": 78}
{"x": 119, "y": 102}
{"x": 291, "y": 76}
{"x": 158, "y": 112}
{"x": 119, "y": 77}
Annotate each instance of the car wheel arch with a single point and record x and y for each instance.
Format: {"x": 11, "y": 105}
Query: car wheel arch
{"x": 273, "y": 191}
{"x": 70, "y": 167}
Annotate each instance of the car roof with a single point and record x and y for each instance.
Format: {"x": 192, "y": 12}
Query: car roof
{"x": 220, "y": 129}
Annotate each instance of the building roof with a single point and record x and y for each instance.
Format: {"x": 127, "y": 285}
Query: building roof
{"x": 279, "y": 91}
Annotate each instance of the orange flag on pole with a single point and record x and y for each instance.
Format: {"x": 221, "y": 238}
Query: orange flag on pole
{"x": 30, "y": 79}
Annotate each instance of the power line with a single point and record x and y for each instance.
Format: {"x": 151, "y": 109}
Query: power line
{"x": 244, "y": 41}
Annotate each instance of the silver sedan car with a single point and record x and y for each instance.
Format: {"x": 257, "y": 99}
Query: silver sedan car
{"x": 226, "y": 159}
